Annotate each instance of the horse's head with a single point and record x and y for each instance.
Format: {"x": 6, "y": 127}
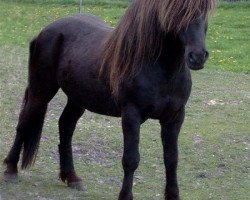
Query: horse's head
{"x": 193, "y": 39}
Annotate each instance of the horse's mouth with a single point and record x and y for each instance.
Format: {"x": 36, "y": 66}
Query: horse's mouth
{"x": 195, "y": 67}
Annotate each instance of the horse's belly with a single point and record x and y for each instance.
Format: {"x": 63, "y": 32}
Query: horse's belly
{"x": 82, "y": 85}
{"x": 96, "y": 103}
{"x": 102, "y": 106}
{"x": 91, "y": 96}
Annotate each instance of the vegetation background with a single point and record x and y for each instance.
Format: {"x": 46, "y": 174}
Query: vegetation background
{"x": 215, "y": 140}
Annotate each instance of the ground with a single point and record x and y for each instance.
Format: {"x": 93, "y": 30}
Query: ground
{"x": 214, "y": 142}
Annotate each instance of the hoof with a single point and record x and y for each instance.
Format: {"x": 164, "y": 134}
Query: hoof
{"x": 11, "y": 178}
{"x": 77, "y": 185}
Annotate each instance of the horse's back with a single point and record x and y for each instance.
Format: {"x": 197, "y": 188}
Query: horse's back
{"x": 78, "y": 22}
{"x": 73, "y": 28}
{"x": 77, "y": 34}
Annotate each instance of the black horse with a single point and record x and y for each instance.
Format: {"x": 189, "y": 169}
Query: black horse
{"x": 137, "y": 71}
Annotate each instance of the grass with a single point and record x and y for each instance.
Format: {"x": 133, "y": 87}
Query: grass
{"x": 214, "y": 144}
{"x": 229, "y": 38}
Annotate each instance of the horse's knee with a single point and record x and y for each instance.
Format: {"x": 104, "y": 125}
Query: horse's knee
{"x": 130, "y": 162}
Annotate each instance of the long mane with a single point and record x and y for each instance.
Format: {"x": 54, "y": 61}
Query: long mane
{"x": 138, "y": 37}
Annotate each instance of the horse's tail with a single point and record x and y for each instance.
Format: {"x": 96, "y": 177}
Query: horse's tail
{"x": 31, "y": 135}
{"x": 42, "y": 87}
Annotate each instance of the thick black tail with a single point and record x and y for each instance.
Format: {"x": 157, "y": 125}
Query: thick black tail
{"x": 31, "y": 129}
{"x": 41, "y": 89}
{"x": 43, "y": 85}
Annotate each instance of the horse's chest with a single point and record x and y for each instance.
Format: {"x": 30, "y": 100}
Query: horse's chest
{"x": 166, "y": 106}
{"x": 166, "y": 99}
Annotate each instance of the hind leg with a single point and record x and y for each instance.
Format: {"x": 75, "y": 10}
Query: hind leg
{"x": 42, "y": 86}
{"x": 67, "y": 124}
{"x": 28, "y": 131}
{"x": 30, "y": 123}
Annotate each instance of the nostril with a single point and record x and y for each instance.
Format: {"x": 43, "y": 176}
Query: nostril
{"x": 198, "y": 57}
{"x": 206, "y": 54}
{"x": 191, "y": 57}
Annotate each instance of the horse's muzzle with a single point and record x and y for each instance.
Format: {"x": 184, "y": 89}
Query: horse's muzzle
{"x": 196, "y": 60}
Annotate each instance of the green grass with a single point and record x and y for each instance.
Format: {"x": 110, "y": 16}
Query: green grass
{"x": 214, "y": 143}
{"x": 21, "y": 22}
{"x": 229, "y": 38}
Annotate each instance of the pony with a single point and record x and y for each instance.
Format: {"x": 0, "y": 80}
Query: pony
{"x": 137, "y": 71}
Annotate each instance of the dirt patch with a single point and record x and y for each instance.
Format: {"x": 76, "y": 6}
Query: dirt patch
{"x": 110, "y": 181}
{"x": 214, "y": 102}
{"x": 198, "y": 139}
{"x": 97, "y": 151}
{"x": 94, "y": 150}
